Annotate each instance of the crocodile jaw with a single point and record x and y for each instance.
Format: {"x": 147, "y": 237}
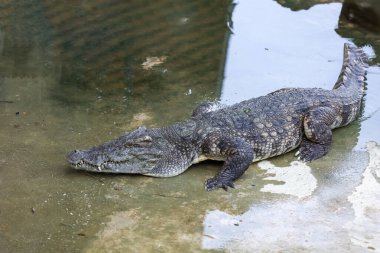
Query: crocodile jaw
{"x": 158, "y": 152}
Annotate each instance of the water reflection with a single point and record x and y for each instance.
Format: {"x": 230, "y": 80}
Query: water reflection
{"x": 309, "y": 49}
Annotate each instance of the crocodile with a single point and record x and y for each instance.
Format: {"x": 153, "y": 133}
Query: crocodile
{"x": 240, "y": 134}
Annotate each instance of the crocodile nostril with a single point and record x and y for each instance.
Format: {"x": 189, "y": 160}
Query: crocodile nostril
{"x": 75, "y": 156}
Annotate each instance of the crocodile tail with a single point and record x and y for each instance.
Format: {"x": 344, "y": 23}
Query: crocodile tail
{"x": 353, "y": 71}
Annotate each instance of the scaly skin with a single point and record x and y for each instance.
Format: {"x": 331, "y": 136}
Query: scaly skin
{"x": 249, "y": 131}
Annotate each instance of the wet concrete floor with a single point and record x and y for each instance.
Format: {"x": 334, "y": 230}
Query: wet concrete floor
{"x": 76, "y": 74}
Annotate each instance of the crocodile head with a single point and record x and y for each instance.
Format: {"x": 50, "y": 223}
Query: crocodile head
{"x": 142, "y": 151}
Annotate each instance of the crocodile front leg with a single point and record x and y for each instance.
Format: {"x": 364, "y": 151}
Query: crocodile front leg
{"x": 318, "y": 136}
{"x": 238, "y": 156}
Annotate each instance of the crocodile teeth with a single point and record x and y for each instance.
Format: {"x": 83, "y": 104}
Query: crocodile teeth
{"x": 99, "y": 168}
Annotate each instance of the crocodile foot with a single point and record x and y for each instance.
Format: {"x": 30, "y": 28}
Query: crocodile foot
{"x": 310, "y": 151}
{"x": 215, "y": 183}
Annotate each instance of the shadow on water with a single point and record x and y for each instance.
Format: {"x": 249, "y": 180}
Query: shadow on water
{"x": 297, "y": 5}
{"x": 78, "y": 73}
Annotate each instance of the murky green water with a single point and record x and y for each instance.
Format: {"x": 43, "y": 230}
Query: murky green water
{"x": 75, "y": 74}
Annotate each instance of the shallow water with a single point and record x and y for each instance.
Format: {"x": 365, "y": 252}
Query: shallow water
{"x": 77, "y": 74}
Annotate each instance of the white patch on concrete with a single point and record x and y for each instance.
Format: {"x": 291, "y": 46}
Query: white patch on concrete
{"x": 297, "y": 179}
{"x": 364, "y": 230}
{"x": 300, "y": 225}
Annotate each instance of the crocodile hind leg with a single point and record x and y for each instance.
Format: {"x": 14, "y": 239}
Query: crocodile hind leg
{"x": 318, "y": 136}
{"x": 238, "y": 154}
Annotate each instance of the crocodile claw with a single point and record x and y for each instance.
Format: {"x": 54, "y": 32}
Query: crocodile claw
{"x": 310, "y": 151}
{"x": 215, "y": 183}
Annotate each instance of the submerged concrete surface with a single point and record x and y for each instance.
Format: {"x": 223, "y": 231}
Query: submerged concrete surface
{"x": 76, "y": 75}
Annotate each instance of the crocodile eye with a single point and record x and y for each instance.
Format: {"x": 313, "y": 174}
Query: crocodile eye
{"x": 146, "y": 138}
{"x": 144, "y": 141}
{"x": 140, "y": 141}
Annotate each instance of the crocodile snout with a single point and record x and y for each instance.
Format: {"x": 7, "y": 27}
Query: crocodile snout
{"x": 75, "y": 157}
